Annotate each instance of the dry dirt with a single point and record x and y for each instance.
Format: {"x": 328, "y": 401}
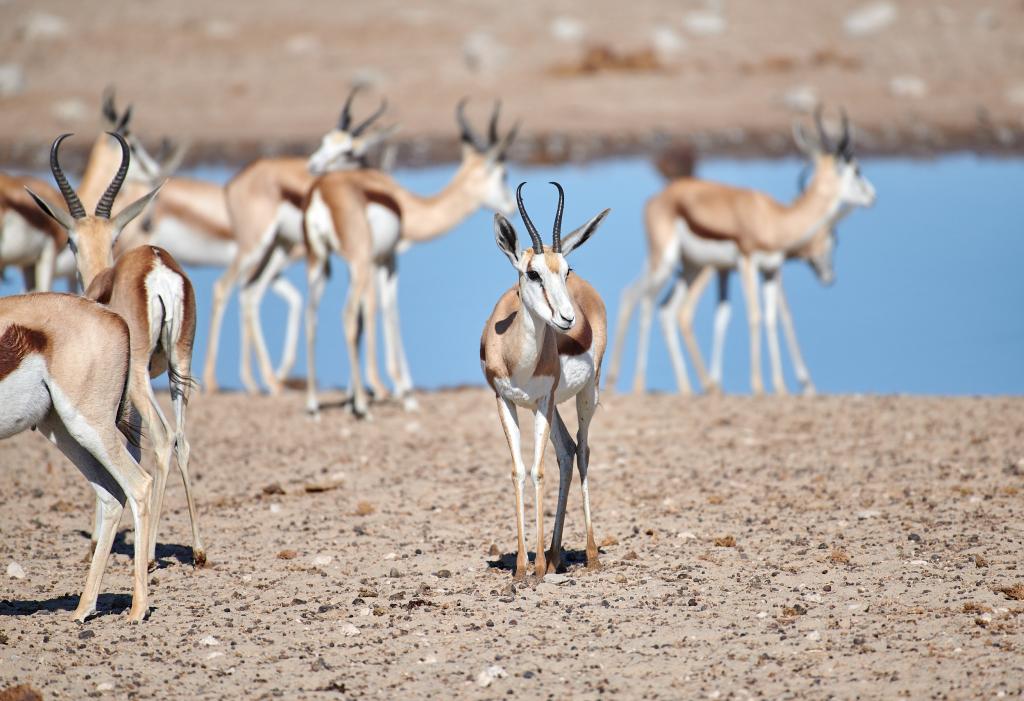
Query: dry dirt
{"x": 834, "y": 547}
{"x": 587, "y": 78}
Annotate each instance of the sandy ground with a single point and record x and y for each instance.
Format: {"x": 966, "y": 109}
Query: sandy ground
{"x": 835, "y": 547}
{"x": 588, "y": 79}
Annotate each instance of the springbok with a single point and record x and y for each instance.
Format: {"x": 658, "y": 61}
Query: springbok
{"x": 711, "y": 226}
{"x": 264, "y": 201}
{"x": 29, "y": 240}
{"x": 367, "y": 218}
{"x": 64, "y": 369}
{"x": 541, "y": 346}
{"x": 149, "y": 290}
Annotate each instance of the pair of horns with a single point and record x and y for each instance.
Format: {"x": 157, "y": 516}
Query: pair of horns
{"x": 843, "y": 148}
{"x": 556, "y": 230}
{"x": 345, "y": 120}
{"x": 71, "y": 198}
{"x": 494, "y": 141}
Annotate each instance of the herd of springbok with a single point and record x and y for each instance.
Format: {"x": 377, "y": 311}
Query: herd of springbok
{"x": 79, "y": 368}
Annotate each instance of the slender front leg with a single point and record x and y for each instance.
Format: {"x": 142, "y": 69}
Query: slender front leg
{"x": 666, "y": 316}
{"x": 565, "y": 451}
{"x": 316, "y": 280}
{"x": 802, "y": 374}
{"x": 389, "y": 297}
{"x": 359, "y": 283}
{"x": 221, "y": 289}
{"x": 771, "y": 322}
{"x": 287, "y": 292}
{"x": 252, "y": 302}
{"x": 541, "y": 429}
{"x": 586, "y": 405}
{"x": 630, "y": 297}
{"x": 369, "y": 311}
{"x": 723, "y": 311}
{"x": 698, "y": 283}
{"x": 748, "y": 277}
{"x": 510, "y": 424}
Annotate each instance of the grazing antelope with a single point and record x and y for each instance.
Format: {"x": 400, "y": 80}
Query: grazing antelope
{"x": 710, "y": 226}
{"x": 541, "y": 346}
{"x": 264, "y": 201}
{"x": 64, "y": 369}
{"x": 29, "y": 240}
{"x": 367, "y": 218}
{"x": 154, "y": 296}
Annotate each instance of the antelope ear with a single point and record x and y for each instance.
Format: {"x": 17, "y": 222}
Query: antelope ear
{"x": 577, "y": 238}
{"x": 133, "y": 210}
{"x": 58, "y": 214}
{"x": 804, "y": 143}
{"x": 506, "y": 238}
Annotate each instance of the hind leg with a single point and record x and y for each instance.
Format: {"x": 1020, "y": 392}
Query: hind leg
{"x": 586, "y": 405}
{"x": 140, "y": 394}
{"x": 97, "y": 452}
{"x": 179, "y": 397}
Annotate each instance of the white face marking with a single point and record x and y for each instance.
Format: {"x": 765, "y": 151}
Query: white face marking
{"x": 544, "y": 292}
{"x": 497, "y": 194}
{"x": 337, "y": 150}
{"x": 855, "y": 189}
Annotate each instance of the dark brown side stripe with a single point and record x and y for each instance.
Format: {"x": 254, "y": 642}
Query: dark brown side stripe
{"x": 16, "y": 343}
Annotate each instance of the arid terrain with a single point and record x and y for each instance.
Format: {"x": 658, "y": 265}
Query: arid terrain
{"x": 833, "y": 547}
{"x": 590, "y": 79}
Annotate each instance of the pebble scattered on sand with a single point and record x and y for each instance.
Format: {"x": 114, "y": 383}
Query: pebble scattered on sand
{"x": 870, "y": 19}
{"x": 349, "y": 630}
{"x": 209, "y": 641}
{"x": 15, "y": 570}
{"x": 488, "y": 675}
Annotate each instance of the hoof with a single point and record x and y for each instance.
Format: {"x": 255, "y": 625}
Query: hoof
{"x": 151, "y": 566}
{"x": 593, "y": 565}
{"x": 81, "y": 616}
{"x": 520, "y": 574}
{"x": 198, "y": 559}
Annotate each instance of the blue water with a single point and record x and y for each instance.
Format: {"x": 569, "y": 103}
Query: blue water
{"x": 928, "y": 296}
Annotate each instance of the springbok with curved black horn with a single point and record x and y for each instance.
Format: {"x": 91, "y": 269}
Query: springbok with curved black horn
{"x": 151, "y": 292}
{"x": 264, "y": 202}
{"x": 709, "y": 226}
{"x": 65, "y": 369}
{"x": 368, "y": 219}
{"x": 541, "y": 346}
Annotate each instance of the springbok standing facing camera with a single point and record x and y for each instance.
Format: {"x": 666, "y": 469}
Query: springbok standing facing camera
{"x": 543, "y": 345}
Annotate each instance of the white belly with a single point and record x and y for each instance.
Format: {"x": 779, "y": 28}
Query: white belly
{"x": 192, "y": 247}
{"x": 24, "y": 400}
{"x": 703, "y": 252}
{"x": 289, "y": 223}
{"x": 523, "y": 391}
{"x": 385, "y": 227}
{"x": 20, "y": 244}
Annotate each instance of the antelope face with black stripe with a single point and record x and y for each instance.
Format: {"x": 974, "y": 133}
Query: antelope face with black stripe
{"x": 544, "y": 270}
{"x": 346, "y": 145}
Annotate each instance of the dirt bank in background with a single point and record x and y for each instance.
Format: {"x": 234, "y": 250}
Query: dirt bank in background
{"x": 838, "y": 546}
{"x": 588, "y": 79}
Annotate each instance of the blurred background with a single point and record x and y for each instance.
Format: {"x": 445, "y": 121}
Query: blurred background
{"x": 928, "y": 293}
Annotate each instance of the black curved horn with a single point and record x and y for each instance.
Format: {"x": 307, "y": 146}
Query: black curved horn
{"x": 70, "y": 198}
{"x": 345, "y": 118}
{"x": 467, "y": 134}
{"x": 108, "y": 108}
{"x": 843, "y": 148}
{"x": 538, "y": 245}
{"x": 371, "y": 119}
{"x": 107, "y": 201}
{"x": 556, "y": 230}
{"x": 492, "y": 128}
{"x": 826, "y": 145}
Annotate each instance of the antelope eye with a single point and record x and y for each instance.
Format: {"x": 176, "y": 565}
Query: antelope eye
{"x": 533, "y": 275}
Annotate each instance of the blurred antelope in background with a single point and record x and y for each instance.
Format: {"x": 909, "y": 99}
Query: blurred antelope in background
{"x": 65, "y": 369}
{"x": 149, "y": 290}
{"x": 264, "y": 203}
{"x": 367, "y": 218}
{"x": 708, "y": 226}
{"x": 541, "y": 346}
{"x": 29, "y": 240}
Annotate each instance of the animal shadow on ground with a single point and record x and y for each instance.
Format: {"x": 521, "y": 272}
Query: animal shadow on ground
{"x": 106, "y": 604}
{"x": 164, "y": 551}
{"x": 570, "y": 560}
